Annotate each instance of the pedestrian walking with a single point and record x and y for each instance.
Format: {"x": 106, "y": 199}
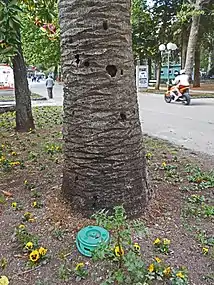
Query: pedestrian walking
{"x": 49, "y": 86}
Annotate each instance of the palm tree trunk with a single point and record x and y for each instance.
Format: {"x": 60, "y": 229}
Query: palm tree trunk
{"x": 193, "y": 37}
{"x": 104, "y": 158}
{"x": 24, "y": 117}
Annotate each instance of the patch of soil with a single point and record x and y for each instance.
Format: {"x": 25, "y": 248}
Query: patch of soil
{"x": 56, "y": 225}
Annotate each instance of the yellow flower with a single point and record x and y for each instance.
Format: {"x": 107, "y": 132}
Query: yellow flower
{"x": 21, "y": 226}
{"x": 151, "y": 268}
{"x": 2, "y": 158}
{"x": 31, "y": 220}
{"x": 25, "y": 182}
{"x": 34, "y": 255}
{"x": 167, "y": 271}
{"x": 205, "y": 250}
{"x": 158, "y": 260}
{"x": 119, "y": 251}
{"x": 79, "y": 265}
{"x": 29, "y": 245}
{"x": 136, "y": 246}
{"x": 163, "y": 164}
{"x": 4, "y": 280}
{"x": 42, "y": 251}
{"x": 15, "y": 163}
{"x": 27, "y": 215}
{"x": 180, "y": 275}
{"x": 2, "y": 145}
{"x": 14, "y": 205}
{"x": 14, "y": 153}
{"x": 166, "y": 241}
{"x": 157, "y": 241}
{"x": 34, "y": 204}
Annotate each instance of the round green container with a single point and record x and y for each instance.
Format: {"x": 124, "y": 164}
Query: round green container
{"x": 89, "y": 238}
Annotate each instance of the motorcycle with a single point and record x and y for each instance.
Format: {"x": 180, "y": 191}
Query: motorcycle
{"x": 171, "y": 95}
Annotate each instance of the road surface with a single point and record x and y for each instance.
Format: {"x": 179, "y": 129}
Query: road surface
{"x": 190, "y": 126}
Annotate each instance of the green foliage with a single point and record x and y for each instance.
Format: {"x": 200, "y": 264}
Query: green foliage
{"x": 10, "y": 24}
{"x": 201, "y": 179}
{"x": 123, "y": 257}
{"x": 196, "y": 206}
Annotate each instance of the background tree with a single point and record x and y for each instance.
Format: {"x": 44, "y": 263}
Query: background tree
{"x": 193, "y": 37}
{"x": 40, "y": 46}
{"x": 11, "y": 45}
{"x": 104, "y": 159}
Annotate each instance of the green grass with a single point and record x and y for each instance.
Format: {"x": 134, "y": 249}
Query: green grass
{"x": 34, "y": 96}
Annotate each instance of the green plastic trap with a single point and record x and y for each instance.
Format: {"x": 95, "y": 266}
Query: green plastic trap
{"x": 89, "y": 238}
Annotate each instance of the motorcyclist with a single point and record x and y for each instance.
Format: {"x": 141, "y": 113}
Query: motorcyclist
{"x": 181, "y": 81}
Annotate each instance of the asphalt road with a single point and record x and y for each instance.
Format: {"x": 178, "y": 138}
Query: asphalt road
{"x": 190, "y": 126}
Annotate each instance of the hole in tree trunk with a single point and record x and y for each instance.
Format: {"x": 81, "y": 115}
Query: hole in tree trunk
{"x": 95, "y": 198}
{"x": 76, "y": 178}
{"x": 112, "y": 70}
{"x": 86, "y": 63}
{"x": 121, "y": 72}
{"x": 123, "y": 116}
{"x": 77, "y": 59}
{"x": 105, "y": 25}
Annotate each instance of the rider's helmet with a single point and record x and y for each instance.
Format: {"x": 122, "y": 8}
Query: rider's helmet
{"x": 183, "y": 71}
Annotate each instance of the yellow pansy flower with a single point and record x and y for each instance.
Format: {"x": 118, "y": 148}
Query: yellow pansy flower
{"x": 14, "y": 205}
{"x": 151, "y": 268}
{"x": 119, "y": 251}
{"x": 42, "y": 251}
{"x": 205, "y": 250}
{"x": 158, "y": 260}
{"x": 167, "y": 271}
{"x": 166, "y": 241}
{"x": 34, "y": 255}
{"x": 136, "y": 246}
{"x": 157, "y": 241}
{"x": 21, "y": 226}
{"x": 180, "y": 275}
{"x": 163, "y": 164}
{"x": 29, "y": 245}
{"x": 79, "y": 265}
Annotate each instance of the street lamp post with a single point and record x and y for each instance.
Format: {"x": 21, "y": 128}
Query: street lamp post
{"x": 168, "y": 49}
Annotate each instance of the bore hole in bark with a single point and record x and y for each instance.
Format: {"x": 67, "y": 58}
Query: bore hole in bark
{"x": 112, "y": 70}
{"x": 76, "y": 178}
{"x": 105, "y": 25}
{"x": 77, "y": 59}
{"x": 86, "y": 63}
{"x": 123, "y": 116}
{"x": 134, "y": 111}
{"x": 95, "y": 198}
{"x": 121, "y": 72}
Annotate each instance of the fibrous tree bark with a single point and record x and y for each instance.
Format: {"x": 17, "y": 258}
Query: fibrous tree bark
{"x": 24, "y": 118}
{"x": 104, "y": 158}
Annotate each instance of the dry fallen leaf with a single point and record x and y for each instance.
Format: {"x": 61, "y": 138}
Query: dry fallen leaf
{"x": 7, "y": 194}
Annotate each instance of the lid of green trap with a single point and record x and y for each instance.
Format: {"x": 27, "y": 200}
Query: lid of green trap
{"x": 92, "y": 235}
{"x": 89, "y": 238}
